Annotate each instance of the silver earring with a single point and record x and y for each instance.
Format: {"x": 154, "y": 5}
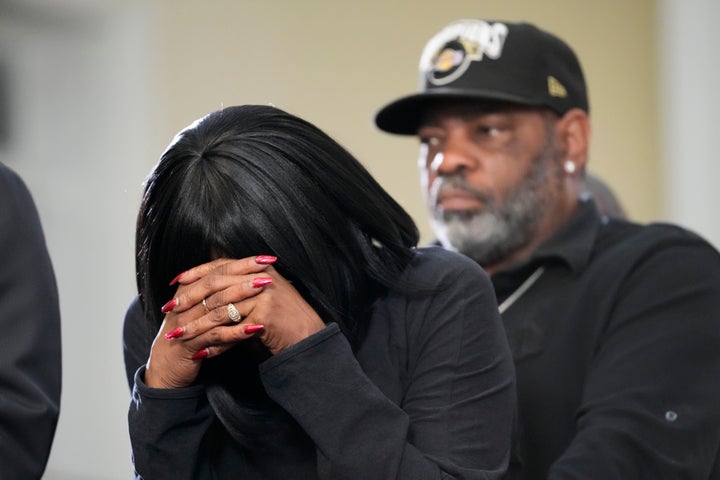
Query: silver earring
{"x": 569, "y": 167}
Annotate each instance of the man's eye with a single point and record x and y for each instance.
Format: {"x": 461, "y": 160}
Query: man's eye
{"x": 489, "y": 130}
{"x": 430, "y": 141}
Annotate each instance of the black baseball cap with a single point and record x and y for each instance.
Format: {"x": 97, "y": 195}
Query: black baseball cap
{"x": 492, "y": 61}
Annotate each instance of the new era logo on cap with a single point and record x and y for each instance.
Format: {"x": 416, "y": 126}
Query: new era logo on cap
{"x": 485, "y": 60}
{"x": 555, "y": 88}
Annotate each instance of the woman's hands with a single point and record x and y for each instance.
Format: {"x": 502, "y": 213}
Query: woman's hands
{"x": 269, "y": 306}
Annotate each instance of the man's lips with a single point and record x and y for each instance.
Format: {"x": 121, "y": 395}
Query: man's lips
{"x": 458, "y": 200}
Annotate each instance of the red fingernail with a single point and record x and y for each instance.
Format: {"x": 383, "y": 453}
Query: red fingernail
{"x": 177, "y": 333}
{"x": 169, "y": 305}
{"x": 176, "y": 279}
{"x": 201, "y": 354}
{"x": 249, "y": 329}
{"x": 261, "y": 282}
{"x": 265, "y": 259}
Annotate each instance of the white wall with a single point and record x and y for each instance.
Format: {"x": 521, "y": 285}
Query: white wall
{"x": 688, "y": 40}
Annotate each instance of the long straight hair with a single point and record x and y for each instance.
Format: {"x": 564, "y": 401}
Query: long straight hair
{"x": 251, "y": 180}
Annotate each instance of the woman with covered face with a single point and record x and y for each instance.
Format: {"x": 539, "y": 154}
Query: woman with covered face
{"x": 288, "y": 327}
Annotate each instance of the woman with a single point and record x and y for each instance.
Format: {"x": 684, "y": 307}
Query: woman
{"x": 306, "y": 337}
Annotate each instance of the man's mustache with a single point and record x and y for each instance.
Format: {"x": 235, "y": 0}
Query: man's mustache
{"x": 453, "y": 183}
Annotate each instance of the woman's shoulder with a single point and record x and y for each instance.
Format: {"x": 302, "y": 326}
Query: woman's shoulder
{"x": 438, "y": 258}
{"x": 444, "y": 289}
{"x": 439, "y": 265}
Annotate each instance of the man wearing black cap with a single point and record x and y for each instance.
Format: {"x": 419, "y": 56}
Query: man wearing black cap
{"x": 613, "y": 325}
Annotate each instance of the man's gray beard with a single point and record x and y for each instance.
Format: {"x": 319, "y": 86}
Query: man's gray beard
{"x": 484, "y": 237}
{"x": 499, "y": 230}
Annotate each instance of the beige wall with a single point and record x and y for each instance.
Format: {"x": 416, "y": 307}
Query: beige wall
{"x": 335, "y": 63}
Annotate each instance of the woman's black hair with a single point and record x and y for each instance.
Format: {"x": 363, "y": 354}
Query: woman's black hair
{"x": 250, "y": 180}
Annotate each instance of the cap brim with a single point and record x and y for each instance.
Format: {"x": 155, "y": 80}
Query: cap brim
{"x": 403, "y": 116}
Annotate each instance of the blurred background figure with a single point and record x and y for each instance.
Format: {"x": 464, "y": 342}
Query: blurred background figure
{"x": 30, "y": 361}
{"x": 605, "y": 198}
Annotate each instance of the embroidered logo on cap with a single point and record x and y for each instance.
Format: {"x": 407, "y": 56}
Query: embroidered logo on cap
{"x": 448, "y": 54}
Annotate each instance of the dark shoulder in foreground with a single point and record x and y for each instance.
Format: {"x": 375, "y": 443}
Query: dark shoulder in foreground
{"x": 11, "y": 185}
{"x": 7, "y": 173}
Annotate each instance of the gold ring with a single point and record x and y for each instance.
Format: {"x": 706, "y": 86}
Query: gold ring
{"x": 207, "y": 310}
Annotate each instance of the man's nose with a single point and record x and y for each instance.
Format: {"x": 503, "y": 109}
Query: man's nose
{"x": 456, "y": 156}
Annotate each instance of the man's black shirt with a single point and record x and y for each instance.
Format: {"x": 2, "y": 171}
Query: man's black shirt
{"x": 617, "y": 352}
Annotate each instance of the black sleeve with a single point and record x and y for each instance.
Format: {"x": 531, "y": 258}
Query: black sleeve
{"x": 167, "y": 427}
{"x": 454, "y": 421}
{"x": 137, "y": 340}
{"x": 651, "y": 403}
{"x": 30, "y": 368}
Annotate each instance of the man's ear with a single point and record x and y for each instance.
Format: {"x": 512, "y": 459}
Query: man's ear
{"x": 573, "y": 130}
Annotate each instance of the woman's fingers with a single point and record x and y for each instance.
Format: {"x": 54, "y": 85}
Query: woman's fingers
{"x": 174, "y": 361}
{"x": 225, "y": 266}
{"x": 216, "y": 317}
{"x": 230, "y": 281}
{"x": 224, "y": 339}
{"x": 215, "y": 291}
{"x": 230, "y": 301}
{"x": 203, "y": 318}
{"x": 228, "y": 289}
